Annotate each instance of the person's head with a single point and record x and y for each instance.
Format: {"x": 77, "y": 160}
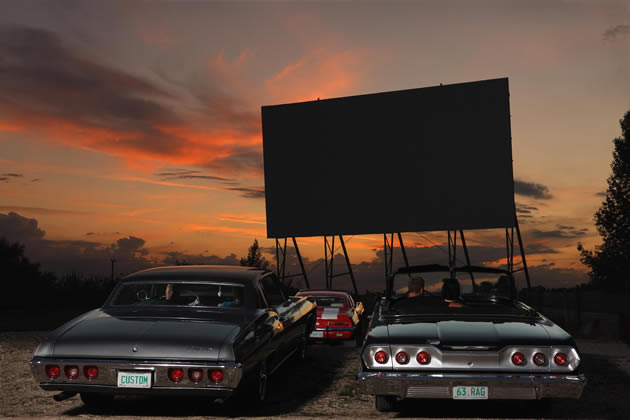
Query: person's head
{"x": 450, "y": 289}
{"x": 416, "y": 286}
{"x": 169, "y": 292}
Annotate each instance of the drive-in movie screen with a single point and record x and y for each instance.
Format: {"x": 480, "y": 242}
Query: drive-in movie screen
{"x": 349, "y": 209}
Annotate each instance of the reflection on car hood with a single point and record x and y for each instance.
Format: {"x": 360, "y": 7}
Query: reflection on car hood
{"x": 472, "y": 333}
{"x": 104, "y": 336}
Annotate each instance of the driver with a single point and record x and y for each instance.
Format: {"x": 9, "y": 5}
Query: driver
{"x": 415, "y": 287}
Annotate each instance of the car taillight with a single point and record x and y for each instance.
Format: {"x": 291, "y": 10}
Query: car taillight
{"x": 402, "y": 357}
{"x": 423, "y": 358}
{"x": 560, "y": 359}
{"x": 72, "y": 372}
{"x": 90, "y": 372}
{"x": 381, "y": 357}
{"x": 53, "y": 371}
{"x": 195, "y": 375}
{"x": 215, "y": 375}
{"x": 518, "y": 359}
{"x": 175, "y": 374}
{"x": 539, "y": 359}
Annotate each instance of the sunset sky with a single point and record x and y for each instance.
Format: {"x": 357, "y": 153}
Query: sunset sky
{"x": 132, "y": 130}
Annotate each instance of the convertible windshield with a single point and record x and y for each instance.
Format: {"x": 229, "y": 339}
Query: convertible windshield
{"x": 177, "y": 293}
{"x": 479, "y": 286}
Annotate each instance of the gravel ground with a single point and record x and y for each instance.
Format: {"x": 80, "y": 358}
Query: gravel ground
{"x": 323, "y": 386}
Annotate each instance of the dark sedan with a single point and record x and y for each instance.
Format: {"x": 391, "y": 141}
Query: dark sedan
{"x": 177, "y": 330}
{"x": 461, "y": 334}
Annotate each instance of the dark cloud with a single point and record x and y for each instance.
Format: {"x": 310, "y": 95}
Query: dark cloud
{"x": 45, "y": 211}
{"x": 563, "y": 232}
{"x": 16, "y": 228}
{"x": 615, "y": 32}
{"x": 601, "y": 194}
{"x": 532, "y": 189}
{"x": 78, "y": 256}
{"x": 9, "y": 177}
{"x": 240, "y": 159}
{"x": 173, "y": 258}
{"x": 89, "y": 234}
{"x": 249, "y": 192}
{"x": 173, "y": 174}
{"x": 523, "y": 209}
{"x": 36, "y": 179}
{"x": 42, "y": 77}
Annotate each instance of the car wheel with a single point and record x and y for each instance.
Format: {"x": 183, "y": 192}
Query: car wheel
{"x": 263, "y": 381}
{"x": 385, "y": 403}
{"x": 97, "y": 400}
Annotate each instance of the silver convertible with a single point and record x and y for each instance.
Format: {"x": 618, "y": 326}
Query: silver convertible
{"x": 462, "y": 334}
{"x": 195, "y": 330}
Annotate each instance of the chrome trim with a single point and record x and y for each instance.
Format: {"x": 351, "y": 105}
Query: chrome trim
{"x": 471, "y": 360}
{"x": 108, "y": 372}
{"x": 500, "y": 386}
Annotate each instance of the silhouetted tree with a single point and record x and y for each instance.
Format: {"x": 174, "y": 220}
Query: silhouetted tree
{"x": 254, "y": 257}
{"x": 610, "y": 261}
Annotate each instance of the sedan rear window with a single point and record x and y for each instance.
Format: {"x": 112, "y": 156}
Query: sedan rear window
{"x": 330, "y": 301}
{"x": 174, "y": 293}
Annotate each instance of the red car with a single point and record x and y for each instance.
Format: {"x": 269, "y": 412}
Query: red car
{"x": 339, "y": 317}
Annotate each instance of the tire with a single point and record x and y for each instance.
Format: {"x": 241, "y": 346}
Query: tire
{"x": 385, "y": 403}
{"x": 97, "y": 401}
{"x": 262, "y": 382}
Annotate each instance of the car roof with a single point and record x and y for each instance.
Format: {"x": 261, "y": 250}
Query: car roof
{"x": 323, "y": 292}
{"x": 231, "y": 273}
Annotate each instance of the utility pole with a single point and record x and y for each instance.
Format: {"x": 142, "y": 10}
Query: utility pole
{"x": 113, "y": 261}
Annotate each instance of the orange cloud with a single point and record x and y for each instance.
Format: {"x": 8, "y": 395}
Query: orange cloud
{"x": 155, "y": 36}
{"x": 226, "y": 229}
{"x": 321, "y": 73}
{"x": 249, "y": 218}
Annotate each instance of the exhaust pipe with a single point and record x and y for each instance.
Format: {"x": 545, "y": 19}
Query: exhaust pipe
{"x": 64, "y": 396}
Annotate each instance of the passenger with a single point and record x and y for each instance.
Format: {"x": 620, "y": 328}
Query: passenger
{"x": 450, "y": 293}
{"x": 231, "y": 303}
{"x": 415, "y": 287}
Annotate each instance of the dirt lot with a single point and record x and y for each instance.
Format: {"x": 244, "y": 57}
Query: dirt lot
{"x": 324, "y": 386}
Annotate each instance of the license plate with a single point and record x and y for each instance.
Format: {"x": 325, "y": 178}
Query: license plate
{"x": 317, "y": 334}
{"x": 134, "y": 379}
{"x": 470, "y": 392}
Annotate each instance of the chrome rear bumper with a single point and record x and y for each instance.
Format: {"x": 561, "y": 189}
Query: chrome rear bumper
{"x": 160, "y": 383}
{"x": 500, "y": 386}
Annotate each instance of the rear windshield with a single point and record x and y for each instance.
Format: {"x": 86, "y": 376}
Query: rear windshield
{"x": 221, "y": 295}
{"x": 330, "y": 301}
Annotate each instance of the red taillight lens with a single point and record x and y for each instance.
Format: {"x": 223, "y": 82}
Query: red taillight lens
{"x": 215, "y": 375}
{"x": 402, "y": 357}
{"x": 195, "y": 375}
{"x": 423, "y": 358}
{"x": 72, "y": 372}
{"x": 90, "y": 372}
{"x": 518, "y": 359}
{"x": 539, "y": 359}
{"x": 381, "y": 357}
{"x": 560, "y": 359}
{"x": 53, "y": 371}
{"x": 175, "y": 374}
